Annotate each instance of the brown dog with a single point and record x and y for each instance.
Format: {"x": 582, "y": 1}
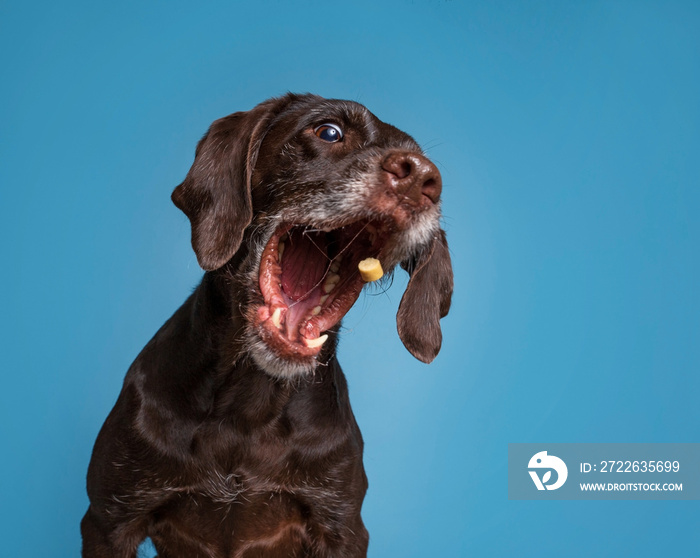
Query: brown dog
{"x": 233, "y": 434}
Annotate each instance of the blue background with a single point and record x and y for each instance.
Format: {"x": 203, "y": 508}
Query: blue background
{"x": 568, "y": 136}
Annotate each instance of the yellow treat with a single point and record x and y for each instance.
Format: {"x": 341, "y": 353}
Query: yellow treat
{"x": 370, "y": 269}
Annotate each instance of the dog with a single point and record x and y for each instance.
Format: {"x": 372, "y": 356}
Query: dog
{"x": 233, "y": 434}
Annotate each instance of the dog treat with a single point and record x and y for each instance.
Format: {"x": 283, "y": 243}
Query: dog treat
{"x": 370, "y": 269}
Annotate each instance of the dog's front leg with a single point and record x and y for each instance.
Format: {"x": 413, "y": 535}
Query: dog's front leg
{"x": 101, "y": 541}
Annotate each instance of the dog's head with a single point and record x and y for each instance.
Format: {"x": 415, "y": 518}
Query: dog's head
{"x": 307, "y": 188}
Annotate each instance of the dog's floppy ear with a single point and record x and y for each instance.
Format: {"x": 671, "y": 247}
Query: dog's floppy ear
{"x": 426, "y": 300}
{"x": 215, "y": 194}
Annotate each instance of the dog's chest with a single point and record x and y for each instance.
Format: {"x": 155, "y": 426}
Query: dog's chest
{"x": 252, "y": 516}
{"x": 296, "y": 491}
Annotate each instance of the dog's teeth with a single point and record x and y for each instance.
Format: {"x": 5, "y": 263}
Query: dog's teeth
{"x": 335, "y": 266}
{"x": 280, "y": 251}
{"x": 324, "y": 298}
{"x": 331, "y": 282}
{"x": 316, "y": 311}
{"x": 313, "y": 343}
{"x": 277, "y": 317}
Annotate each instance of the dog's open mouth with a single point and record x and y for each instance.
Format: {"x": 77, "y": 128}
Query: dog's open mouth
{"x": 309, "y": 280}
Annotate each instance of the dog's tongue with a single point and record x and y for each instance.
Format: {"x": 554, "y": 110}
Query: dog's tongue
{"x": 304, "y": 263}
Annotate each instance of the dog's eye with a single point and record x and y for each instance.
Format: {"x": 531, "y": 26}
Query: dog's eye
{"x": 329, "y": 132}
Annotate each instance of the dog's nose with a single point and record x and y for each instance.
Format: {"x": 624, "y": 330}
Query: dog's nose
{"x": 412, "y": 175}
